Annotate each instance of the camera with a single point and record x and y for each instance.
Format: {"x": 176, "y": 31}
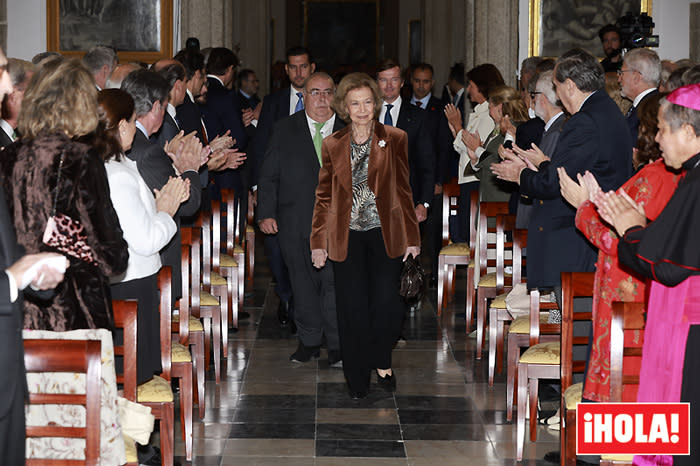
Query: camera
{"x": 635, "y": 31}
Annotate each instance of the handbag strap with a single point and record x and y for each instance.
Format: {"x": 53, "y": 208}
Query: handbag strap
{"x": 58, "y": 183}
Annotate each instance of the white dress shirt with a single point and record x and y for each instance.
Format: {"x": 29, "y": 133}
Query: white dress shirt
{"x": 326, "y": 129}
{"x": 423, "y": 102}
{"x": 146, "y": 231}
{"x": 394, "y": 110}
{"x": 293, "y": 99}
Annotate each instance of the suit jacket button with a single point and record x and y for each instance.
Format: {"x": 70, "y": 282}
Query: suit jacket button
{"x": 541, "y": 229}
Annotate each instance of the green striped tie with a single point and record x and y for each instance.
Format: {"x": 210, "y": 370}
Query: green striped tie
{"x": 318, "y": 140}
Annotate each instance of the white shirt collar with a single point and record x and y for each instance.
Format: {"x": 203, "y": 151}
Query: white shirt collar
{"x": 551, "y": 121}
{"x": 326, "y": 129}
{"x": 459, "y": 93}
{"x": 641, "y": 95}
{"x": 394, "y": 110}
{"x": 423, "y": 102}
{"x": 9, "y": 130}
{"x": 217, "y": 78}
{"x": 189, "y": 93}
{"x": 142, "y": 128}
{"x": 244, "y": 94}
{"x": 293, "y": 99}
{"x": 171, "y": 111}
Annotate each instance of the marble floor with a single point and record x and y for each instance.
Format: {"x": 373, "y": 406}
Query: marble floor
{"x": 269, "y": 411}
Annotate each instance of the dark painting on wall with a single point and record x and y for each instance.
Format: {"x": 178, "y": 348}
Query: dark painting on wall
{"x": 342, "y": 34}
{"x": 137, "y": 29}
{"x": 565, "y": 24}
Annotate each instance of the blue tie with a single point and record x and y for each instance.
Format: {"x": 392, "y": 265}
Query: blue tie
{"x": 387, "y": 116}
{"x": 300, "y": 102}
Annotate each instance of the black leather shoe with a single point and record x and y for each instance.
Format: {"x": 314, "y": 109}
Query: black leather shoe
{"x": 243, "y": 315}
{"x": 388, "y": 382}
{"x": 282, "y": 314}
{"x": 305, "y": 353}
{"x": 553, "y": 457}
{"x": 335, "y": 359}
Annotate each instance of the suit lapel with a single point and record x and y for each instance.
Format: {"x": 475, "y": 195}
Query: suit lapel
{"x": 377, "y": 158}
{"x": 307, "y": 143}
{"x": 340, "y": 145}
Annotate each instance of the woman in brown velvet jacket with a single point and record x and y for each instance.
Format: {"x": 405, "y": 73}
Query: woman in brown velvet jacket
{"x": 60, "y": 105}
{"x": 365, "y": 223}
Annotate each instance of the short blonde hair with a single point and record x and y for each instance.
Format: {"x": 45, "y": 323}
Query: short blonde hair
{"x": 61, "y": 97}
{"x": 512, "y": 101}
{"x": 350, "y": 83}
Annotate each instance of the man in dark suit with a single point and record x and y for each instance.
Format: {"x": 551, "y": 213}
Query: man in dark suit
{"x": 21, "y": 73}
{"x": 286, "y": 197}
{"x": 639, "y": 78}
{"x": 20, "y": 271}
{"x": 277, "y": 106}
{"x": 422, "y": 83}
{"x": 222, "y": 114}
{"x": 596, "y": 139}
{"x": 174, "y": 74}
{"x": 150, "y": 93}
{"x": 188, "y": 112}
{"x": 248, "y": 85}
{"x": 415, "y": 123}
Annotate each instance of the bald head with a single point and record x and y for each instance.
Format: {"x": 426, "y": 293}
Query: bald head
{"x": 119, "y": 73}
{"x": 163, "y": 62}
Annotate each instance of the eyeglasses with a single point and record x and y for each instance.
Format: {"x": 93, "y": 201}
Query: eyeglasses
{"x": 319, "y": 92}
{"x": 621, "y": 71}
{"x": 533, "y": 94}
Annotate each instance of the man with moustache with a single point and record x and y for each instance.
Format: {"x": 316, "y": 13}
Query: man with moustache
{"x": 286, "y": 197}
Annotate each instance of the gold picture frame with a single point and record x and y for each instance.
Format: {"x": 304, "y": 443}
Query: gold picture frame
{"x": 535, "y": 21}
{"x": 161, "y": 45}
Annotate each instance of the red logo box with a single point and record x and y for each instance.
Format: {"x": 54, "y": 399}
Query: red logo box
{"x": 633, "y": 429}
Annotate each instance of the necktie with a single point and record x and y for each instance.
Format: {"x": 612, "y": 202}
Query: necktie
{"x": 418, "y": 103}
{"x": 300, "y": 102}
{"x": 387, "y": 116}
{"x": 14, "y": 135}
{"x": 455, "y": 99}
{"x": 318, "y": 140}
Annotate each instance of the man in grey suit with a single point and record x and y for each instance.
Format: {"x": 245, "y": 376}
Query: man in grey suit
{"x": 286, "y": 197}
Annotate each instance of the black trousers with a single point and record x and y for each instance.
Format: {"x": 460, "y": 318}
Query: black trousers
{"x": 314, "y": 293}
{"x": 12, "y": 449}
{"x": 370, "y": 310}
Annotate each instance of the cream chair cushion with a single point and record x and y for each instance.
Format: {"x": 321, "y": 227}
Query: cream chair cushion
{"x": 249, "y": 229}
{"x": 499, "y": 302}
{"x": 155, "y": 390}
{"x": 130, "y": 446}
{"x": 237, "y": 249}
{"x": 573, "y": 395}
{"x": 455, "y": 249}
{"x": 620, "y": 458}
{"x": 227, "y": 261}
{"x": 489, "y": 280}
{"x": 180, "y": 353}
{"x": 208, "y": 299}
{"x": 542, "y": 353}
{"x": 195, "y": 324}
{"x": 521, "y": 325}
{"x": 218, "y": 280}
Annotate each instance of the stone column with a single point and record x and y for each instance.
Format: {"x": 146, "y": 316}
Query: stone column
{"x": 444, "y": 33}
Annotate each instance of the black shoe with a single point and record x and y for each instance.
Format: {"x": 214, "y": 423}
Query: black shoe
{"x": 243, "y": 315}
{"x": 282, "y": 314}
{"x": 305, "y": 353}
{"x": 553, "y": 457}
{"x": 358, "y": 395}
{"x": 388, "y": 382}
{"x": 335, "y": 359}
{"x": 292, "y": 327}
{"x": 148, "y": 455}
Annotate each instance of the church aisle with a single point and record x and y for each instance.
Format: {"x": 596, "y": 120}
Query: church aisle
{"x": 269, "y": 411}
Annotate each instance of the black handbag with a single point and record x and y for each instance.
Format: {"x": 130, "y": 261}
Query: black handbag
{"x": 412, "y": 278}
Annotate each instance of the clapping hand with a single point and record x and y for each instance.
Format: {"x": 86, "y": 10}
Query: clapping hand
{"x": 574, "y": 193}
{"x": 169, "y": 197}
{"x": 510, "y": 168}
{"x": 620, "y": 210}
{"x": 454, "y": 119}
{"x": 224, "y": 141}
{"x": 186, "y": 152}
{"x": 534, "y": 155}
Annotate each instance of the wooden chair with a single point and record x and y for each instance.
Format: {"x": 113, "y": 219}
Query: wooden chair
{"x": 626, "y": 317}
{"x": 226, "y": 266}
{"x": 189, "y": 331}
{"x": 73, "y": 356}
{"x": 235, "y": 245}
{"x": 498, "y": 313}
{"x": 175, "y": 358}
{"x": 213, "y": 282}
{"x": 488, "y": 287}
{"x": 250, "y": 249}
{"x": 203, "y": 305}
{"x": 452, "y": 254}
{"x": 155, "y": 393}
{"x": 542, "y": 360}
{"x": 578, "y": 284}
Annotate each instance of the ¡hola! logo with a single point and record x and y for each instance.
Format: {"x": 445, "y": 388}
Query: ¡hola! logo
{"x": 633, "y": 429}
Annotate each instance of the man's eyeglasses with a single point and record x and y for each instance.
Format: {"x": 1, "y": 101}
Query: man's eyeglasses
{"x": 319, "y": 92}
{"x": 621, "y": 71}
{"x": 533, "y": 94}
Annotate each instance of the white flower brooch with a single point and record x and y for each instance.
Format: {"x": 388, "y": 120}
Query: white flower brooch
{"x": 382, "y": 143}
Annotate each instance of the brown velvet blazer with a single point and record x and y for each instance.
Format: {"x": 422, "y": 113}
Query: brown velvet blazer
{"x": 387, "y": 176}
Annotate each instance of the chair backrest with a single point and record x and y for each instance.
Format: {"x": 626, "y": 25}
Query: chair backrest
{"x": 205, "y": 235}
{"x": 125, "y": 319}
{"x": 626, "y": 317}
{"x": 191, "y": 239}
{"x": 216, "y": 234}
{"x": 505, "y": 224}
{"x": 450, "y": 206}
{"x": 165, "y": 280}
{"x": 573, "y": 285}
{"x": 486, "y": 235}
{"x": 233, "y": 221}
{"x": 72, "y": 356}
